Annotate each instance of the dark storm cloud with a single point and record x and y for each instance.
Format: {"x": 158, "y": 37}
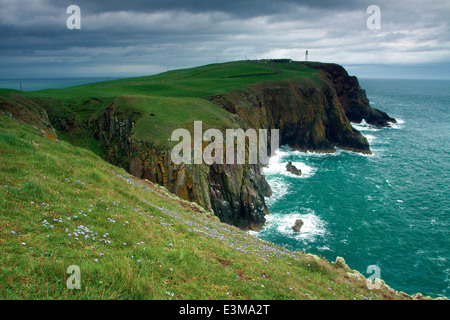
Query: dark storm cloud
{"x": 249, "y": 8}
{"x": 138, "y": 37}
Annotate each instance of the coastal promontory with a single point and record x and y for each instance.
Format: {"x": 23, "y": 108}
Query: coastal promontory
{"x": 129, "y": 123}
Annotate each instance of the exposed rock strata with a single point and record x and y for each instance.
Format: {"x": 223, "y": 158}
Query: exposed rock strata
{"x": 25, "y": 110}
{"x": 352, "y": 97}
{"x": 235, "y": 193}
{"x": 310, "y": 115}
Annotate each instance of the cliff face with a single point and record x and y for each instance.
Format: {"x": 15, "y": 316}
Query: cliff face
{"x": 309, "y": 115}
{"x": 351, "y": 96}
{"x": 113, "y": 130}
{"x": 27, "y": 111}
{"x": 234, "y": 193}
{"x": 312, "y": 113}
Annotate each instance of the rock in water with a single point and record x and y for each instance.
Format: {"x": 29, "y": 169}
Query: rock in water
{"x": 298, "y": 225}
{"x": 292, "y": 169}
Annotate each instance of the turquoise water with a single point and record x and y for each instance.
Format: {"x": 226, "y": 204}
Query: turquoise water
{"x": 390, "y": 209}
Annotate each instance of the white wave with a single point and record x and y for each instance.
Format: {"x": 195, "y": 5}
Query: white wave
{"x": 279, "y": 187}
{"x": 312, "y": 226}
{"x": 357, "y": 153}
{"x": 398, "y": 125}
{"x": 253, "y": 233}
{"x": 277, "y": 166}
{"x": 364, "y": 126}
{"x": 274, "y": 163}
{"x": 370, "y": 138}
{"x": 306, "y": 154}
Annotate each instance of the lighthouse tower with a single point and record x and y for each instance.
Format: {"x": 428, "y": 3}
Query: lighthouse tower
{"x": 306, "y": 55}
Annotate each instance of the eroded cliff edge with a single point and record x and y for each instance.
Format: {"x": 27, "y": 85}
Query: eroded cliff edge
{"x": 308, "y": 114}
{"x": 351, "y": 96}
{"x": 311, "y": 112}
{"x": 311, "y": 115}
{"x": 234, "y": 193}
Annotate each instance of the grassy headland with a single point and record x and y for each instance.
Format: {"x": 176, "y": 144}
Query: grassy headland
{"x": 174, "y": 98}
{"x": 62, "y": 205}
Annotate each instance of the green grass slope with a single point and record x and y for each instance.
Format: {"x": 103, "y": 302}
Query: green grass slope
{"x": 62, "y": 205}
{"x": 175, "y": 98}
{"x": 199, "y": 82}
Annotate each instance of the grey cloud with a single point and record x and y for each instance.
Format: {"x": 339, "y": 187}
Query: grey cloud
{"x": 249, "y": 8}
{"x": 187, "y": 33}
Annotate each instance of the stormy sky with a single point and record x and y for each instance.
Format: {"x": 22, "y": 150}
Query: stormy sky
{"x": 137, "y": 37}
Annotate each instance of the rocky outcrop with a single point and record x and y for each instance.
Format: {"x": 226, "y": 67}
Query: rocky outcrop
{"x": 308, "y": 114}
{"x": 235, "y": 193}
{"x": 25, "y": 110}
{"x": 311, "y": 114}
{"x": 377, "y": 283}
{"x": 293, "y": 169}
{"x": 351, "y": 96}
{"x": 297, "y": 225}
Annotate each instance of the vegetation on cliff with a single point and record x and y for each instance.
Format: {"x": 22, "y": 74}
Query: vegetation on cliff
{"x": 129, "y": 122}
{"x": 62, "y": 205}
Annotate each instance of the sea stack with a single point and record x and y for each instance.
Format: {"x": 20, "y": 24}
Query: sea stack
{"x": 293, "y": 169}
{"x": 298, "y": 225}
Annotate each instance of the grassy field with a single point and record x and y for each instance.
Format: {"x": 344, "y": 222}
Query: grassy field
{"x": 200, "y": 82}
{"x": 175, "y": 98}
{"x": 62, "y": 205}
{"x": 173, "y": 113}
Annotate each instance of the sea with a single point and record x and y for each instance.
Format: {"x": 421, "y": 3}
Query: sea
{"x": 390, "y": 209}
{"x": 47, "y": 83}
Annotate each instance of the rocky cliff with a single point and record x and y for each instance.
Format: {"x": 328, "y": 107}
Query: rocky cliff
{"x": 312, "y": 108}
{"x": 351, "y": 96}
{"x": 235, "y": 193}
{"x": 309, "y": 114}
{"x": 27, "y": 111}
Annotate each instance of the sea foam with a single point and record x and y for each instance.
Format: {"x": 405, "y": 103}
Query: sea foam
{"x": 277, "y": 165}
{"x": 398, "y": 125}
{"x": 364, "y": 126}
{"x": 276, "y": 173}
{"x": 313, "y": 226}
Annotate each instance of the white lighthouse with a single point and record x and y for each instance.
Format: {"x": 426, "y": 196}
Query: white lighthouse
{"x": 306, "y": 55}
